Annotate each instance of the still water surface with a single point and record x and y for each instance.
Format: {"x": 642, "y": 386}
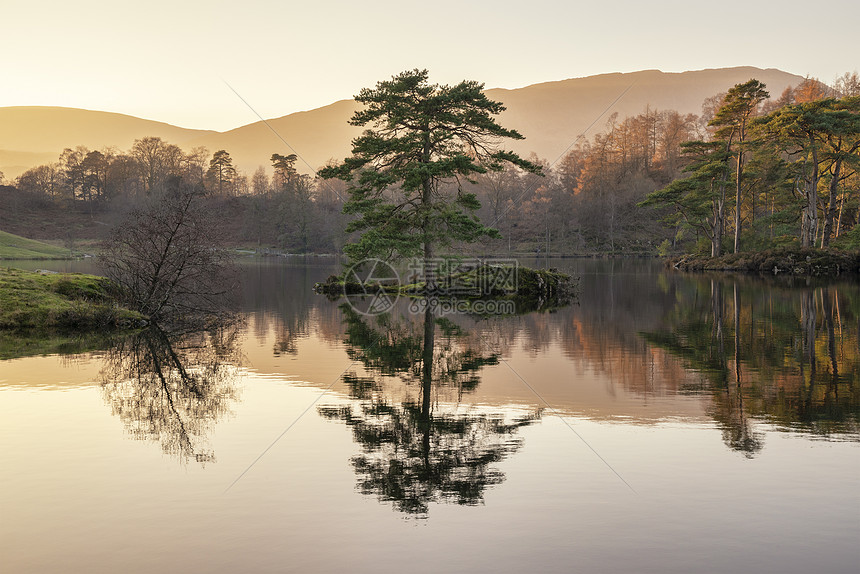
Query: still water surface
{"x": 665, "y": 423}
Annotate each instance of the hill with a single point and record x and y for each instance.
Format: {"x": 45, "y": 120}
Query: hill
{"x": 17, "y": 247}
{"x": 32, "y": 135}
{"x": 551, "y": 115}
{"x": 316, "y": 136}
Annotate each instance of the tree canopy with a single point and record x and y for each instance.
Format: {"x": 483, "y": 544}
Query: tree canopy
{"x": 420, "y": 137}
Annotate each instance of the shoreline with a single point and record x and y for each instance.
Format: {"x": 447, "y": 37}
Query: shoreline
{"x": 797, "y": 262}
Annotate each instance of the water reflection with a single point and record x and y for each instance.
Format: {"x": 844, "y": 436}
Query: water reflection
{"x": 279, "y": 299}
{"x": 172, "y": 387}
{"x": 423, "y": 446}
{"x": 787, "y": 355}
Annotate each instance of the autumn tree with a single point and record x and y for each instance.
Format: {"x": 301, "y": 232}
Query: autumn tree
{"x": 418, "y": 137}
{"x": 809, "y": 90}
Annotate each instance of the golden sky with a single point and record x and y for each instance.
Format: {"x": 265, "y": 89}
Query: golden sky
{"x": 171, "y": 61}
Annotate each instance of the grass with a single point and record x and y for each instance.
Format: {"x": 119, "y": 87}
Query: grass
{"x": 17, "y": 247}
{"x": 71, "y": 301}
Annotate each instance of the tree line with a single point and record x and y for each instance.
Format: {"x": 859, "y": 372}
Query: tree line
{"x": 771, "y": 173}
{"x": 749, "y": 172}
{"x": 287, "y": 210}
{"x": 84, "y": 175}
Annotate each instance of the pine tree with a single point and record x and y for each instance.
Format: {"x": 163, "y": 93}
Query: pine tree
{"x": 221, "y": 171}
{"x": 419, "y": 138}
{"x": 732, "y": 119}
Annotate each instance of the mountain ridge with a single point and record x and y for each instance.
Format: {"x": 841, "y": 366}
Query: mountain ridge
{"x": 551, "y": 115}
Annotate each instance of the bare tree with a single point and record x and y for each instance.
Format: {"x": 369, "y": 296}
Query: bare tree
{"x": 846, "y": 85}
{"x": 166, "y": 257}
{"x": 157, "y": 160}
{"x": 260, "y": 182}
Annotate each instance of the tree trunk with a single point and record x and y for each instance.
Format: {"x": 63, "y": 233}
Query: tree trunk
{"x": 429, "y": 264}
{"x": 717, "y": 229}
{"x": 426, "y": 203}
{"x": 738, "y": 201}
{"x": 809, "y": 227}
{"x": 830, "y": 213}
{"x": 839, "y": 219}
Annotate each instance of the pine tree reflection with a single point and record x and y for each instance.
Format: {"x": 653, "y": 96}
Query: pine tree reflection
{"x": 171, "y": 388}
{"x": 417, "y": 450}
{"x": 777, "y": 372}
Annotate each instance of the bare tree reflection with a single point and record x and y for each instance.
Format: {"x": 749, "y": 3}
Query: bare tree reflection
{"x": 419, "y": 449}
{"x": 172, "y": 388}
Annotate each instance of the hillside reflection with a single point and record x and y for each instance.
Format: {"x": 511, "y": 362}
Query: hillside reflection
{"x": 419, "y": 444}
{"x": 171, "y": 388}
{"x": 788, "y": 356}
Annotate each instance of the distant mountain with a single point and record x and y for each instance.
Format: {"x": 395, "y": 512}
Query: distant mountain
{"x": 551, "y": 116}
{"x": 33, "y": 135}
{"x": 316, "y": 136}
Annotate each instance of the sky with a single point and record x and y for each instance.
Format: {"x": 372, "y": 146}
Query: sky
{"x": 184, "y": 61}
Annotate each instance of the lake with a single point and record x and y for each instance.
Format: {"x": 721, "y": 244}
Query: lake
{"x": 661, "y": 423}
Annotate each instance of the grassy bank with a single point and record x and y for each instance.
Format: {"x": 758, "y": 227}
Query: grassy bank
{"x": 17, "y": 247}
{"x": 788, "y": 261}
{"x": 71, "y": 301}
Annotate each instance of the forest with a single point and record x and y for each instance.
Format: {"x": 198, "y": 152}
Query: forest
{"x": 753, "y": 171}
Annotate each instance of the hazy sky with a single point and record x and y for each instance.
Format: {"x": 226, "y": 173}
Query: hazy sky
{"x": 169, "y": 60}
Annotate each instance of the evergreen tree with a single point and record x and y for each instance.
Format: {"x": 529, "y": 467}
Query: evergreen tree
{"x": 732, "y": 119}
{"x": 698, "y": 200}
{"x": 221, "y": 171}
{"x": 419, "y": 137}
{"x": 814, "y": 135}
